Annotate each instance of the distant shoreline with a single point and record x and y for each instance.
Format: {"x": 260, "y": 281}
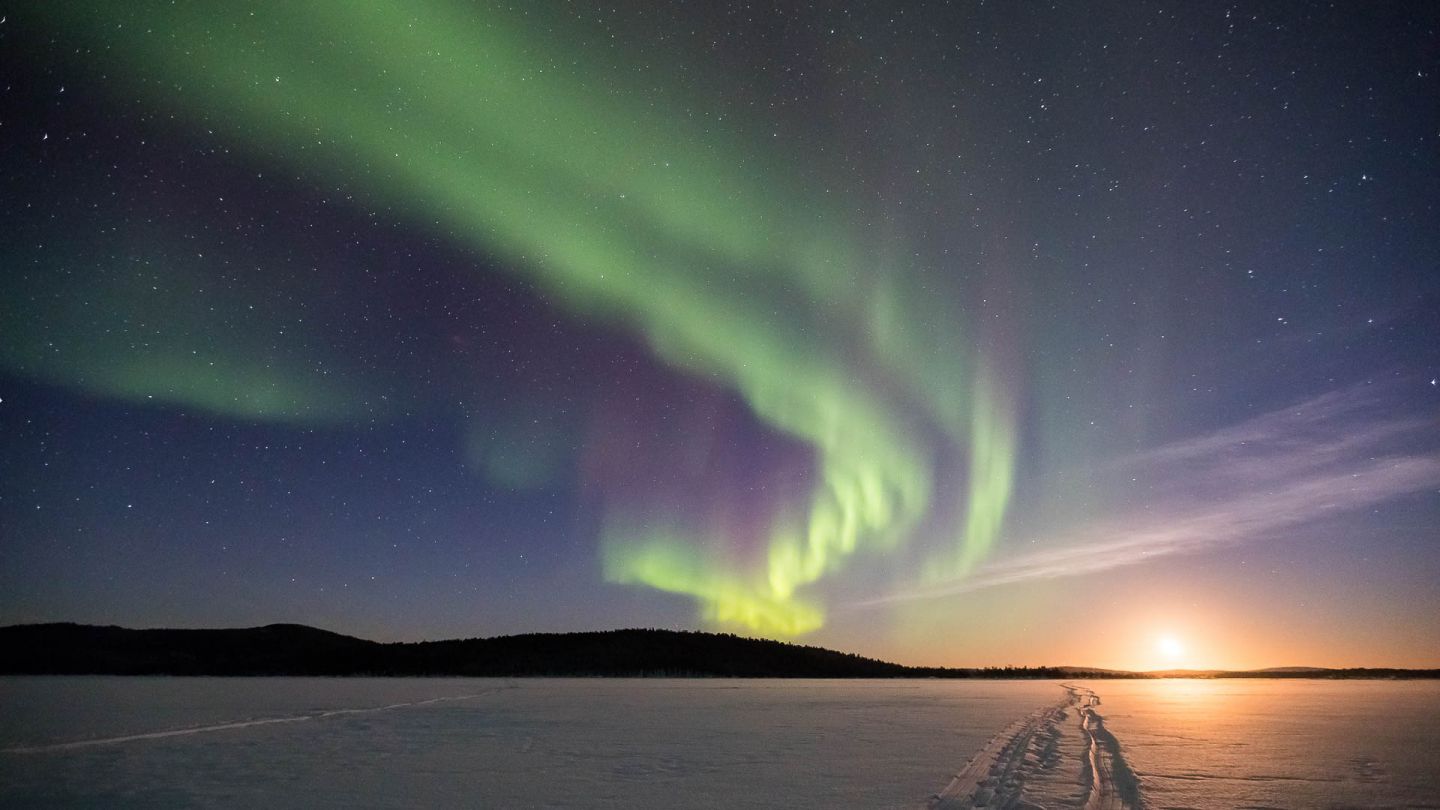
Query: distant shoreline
{"x": 287, "y": 650}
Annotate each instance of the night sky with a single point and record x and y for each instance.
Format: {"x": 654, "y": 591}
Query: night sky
{"x": 968, "y": 333}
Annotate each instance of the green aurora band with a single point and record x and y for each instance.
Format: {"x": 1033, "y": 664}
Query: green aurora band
{"x": 484, "y": 129}
{"x": 76, "y": 330}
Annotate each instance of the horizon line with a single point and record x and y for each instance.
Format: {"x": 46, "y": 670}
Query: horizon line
{"x": 1176, "y": 673}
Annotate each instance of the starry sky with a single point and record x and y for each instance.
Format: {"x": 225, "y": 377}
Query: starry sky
{"x": 966, "y": 333}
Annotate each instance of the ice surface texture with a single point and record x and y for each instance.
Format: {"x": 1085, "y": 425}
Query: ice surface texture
{"x": 306, "y": 742}
{"x": 522, "y": 743}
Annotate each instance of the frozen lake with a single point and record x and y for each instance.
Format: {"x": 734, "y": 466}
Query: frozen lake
{"x": 305, "y": 742}
{"x": 1279, "y": 743}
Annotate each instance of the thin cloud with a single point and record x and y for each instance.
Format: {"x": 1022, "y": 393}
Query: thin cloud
{"x": 1240, "y": 484}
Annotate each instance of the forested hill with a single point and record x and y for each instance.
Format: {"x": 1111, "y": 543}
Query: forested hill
{"x": 288, "y": 649}
{"x": 293, "y": 649}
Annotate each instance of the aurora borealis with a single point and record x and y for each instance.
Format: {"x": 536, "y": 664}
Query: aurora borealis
{"x": 803, "y": 323}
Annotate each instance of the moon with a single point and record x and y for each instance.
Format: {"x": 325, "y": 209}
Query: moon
{"x": 1170, "y": 647}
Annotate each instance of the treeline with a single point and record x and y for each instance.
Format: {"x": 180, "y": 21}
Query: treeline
{"x": 298, "y": 650}
{"x": 292, "y": 649}
{"x": 289, "y": 649}
{"x": 1350, "y": 673}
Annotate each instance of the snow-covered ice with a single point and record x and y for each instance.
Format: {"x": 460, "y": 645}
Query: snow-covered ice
{"x": 522, "y": 743}
{"x": 293, "y": 742}
{"x": 1279, "y": 743}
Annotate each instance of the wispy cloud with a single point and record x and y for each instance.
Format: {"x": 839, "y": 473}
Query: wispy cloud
{"x": 1341, "y": 452}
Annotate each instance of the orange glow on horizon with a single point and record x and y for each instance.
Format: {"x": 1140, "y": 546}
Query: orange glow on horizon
{"x": 1124, "y": 625}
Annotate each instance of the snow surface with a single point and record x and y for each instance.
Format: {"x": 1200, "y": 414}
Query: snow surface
{"x": 1278, "y": 743}
{"x": 521, "y": 743}
{"x": 315, "y": 742}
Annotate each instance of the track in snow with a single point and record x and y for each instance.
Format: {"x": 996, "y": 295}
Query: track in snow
{"x": 1058, "y": 756}
{"x": 264, "y": 721}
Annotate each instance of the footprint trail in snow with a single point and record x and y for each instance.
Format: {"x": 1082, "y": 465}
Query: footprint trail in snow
{"x": 1060, "y": 756}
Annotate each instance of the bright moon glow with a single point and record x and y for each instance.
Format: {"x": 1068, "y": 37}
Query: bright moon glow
{"x": 1170, "y": 647}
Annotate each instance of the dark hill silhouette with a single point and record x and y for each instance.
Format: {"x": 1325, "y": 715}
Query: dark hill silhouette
{"x": 292, "y": 649}
{"x": 288, "y": 649}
